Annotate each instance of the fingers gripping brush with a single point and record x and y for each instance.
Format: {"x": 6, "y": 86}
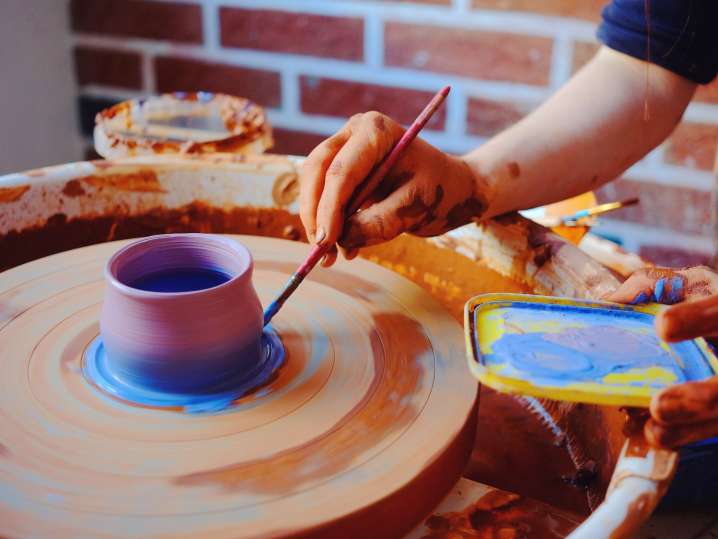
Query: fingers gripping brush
{"x": 368, "y": 186}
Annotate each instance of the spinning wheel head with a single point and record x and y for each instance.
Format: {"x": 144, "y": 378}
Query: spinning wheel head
{"x": 361, "y": 432}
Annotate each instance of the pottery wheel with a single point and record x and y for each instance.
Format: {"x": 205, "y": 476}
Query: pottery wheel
{"x": 362, "y": 431}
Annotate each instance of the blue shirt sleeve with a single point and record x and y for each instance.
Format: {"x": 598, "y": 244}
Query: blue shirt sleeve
{"x": 683, "y": 34}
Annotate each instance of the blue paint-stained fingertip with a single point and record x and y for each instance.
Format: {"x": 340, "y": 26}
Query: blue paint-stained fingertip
{"x": 676, "y": 293}
{"x": 640, "y": 298}
{"x": 658, "y": 289}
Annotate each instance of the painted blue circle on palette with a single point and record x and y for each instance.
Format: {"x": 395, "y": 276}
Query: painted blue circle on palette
{"x": 213, "y": 400}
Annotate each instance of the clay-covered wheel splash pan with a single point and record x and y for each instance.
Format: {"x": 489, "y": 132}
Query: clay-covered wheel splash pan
{"x": 362, "y": 431}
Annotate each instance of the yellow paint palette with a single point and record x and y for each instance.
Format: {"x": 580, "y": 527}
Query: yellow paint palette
{"x": 577, "y": 350}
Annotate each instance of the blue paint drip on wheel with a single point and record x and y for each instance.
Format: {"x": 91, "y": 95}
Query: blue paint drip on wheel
{"x": 216, "y": 399}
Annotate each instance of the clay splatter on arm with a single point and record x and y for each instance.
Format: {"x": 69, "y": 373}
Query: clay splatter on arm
{"x": 514, "y": 169}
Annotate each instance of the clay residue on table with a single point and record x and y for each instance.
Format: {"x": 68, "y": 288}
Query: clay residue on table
{"x": 502, "y": 515}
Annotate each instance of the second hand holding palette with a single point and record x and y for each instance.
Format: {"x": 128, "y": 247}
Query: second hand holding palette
{"x": 577, "y": 350}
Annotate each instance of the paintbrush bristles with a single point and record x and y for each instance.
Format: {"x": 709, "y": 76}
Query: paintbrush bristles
{"x": 294, "y": 281}
{"x": 361, "y": 196}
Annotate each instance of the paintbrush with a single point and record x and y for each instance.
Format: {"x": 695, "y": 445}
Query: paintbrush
{"x": 360, "y": 197}
{"x": 572, "y": 220}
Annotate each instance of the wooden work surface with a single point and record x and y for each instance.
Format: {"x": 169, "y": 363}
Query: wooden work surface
{"x": 364, "y": 430}
{"x": 452, "y": 518}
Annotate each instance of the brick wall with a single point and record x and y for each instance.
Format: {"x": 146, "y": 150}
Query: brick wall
{"x": 312, "y": 63}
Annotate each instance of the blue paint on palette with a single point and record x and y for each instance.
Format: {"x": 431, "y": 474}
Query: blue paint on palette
{"x": 181, "y": 280}
{"x": 216, "y": 399}
{"x": 554, "y": 345}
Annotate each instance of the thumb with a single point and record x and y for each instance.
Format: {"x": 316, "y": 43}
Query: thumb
{"x": 369, "y": 227}
{"x": 689, "y": 320}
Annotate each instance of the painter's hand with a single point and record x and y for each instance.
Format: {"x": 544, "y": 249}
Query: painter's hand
{"x": 687, "y": 412}
{"x": 427, "y": 192}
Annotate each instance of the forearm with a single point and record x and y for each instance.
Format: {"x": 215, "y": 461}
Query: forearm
{"x": 588, "y": 133}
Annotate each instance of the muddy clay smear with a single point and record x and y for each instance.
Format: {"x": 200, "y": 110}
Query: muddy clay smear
{"x": 502, "y": 515}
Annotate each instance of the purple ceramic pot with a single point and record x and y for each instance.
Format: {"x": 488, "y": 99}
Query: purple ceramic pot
{"x": 180, "y": 313}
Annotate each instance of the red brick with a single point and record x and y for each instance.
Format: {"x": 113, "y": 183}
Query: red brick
{"x": 470, "y": 53}
{"x": 707, "y": 93}
{"x": 693, "y": 145}
{"x": 296, "y": 33}
{"x": 108, "y": 67}
{"x": 485, "y": 117}
{"x": 581, "y": 9}
{"x": 666, "y": 207}
{"x": 288, "y": 141}
{"x": 138, "y": 18}
{"x": 582, "y": 52}
{"x": 673, "y": 256}
{"x": 184, "y": 74}
{"x": 344, "y": 98}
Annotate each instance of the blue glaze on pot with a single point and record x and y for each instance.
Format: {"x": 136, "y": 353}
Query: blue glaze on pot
{"x": 181, "y": 280}
{"x": 180, "y": 315}
{"x": 98, "y": 371}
